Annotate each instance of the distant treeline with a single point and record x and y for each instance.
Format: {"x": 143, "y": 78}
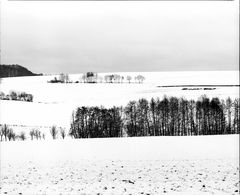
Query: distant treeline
{"x": 91, "y": 77}
{"x": 15, "y": 71}
{"x": 17, "y": 96}
{"x": 170, "y": 116}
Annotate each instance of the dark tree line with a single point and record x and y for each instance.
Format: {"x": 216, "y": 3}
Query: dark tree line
{"x": 95, "y": 122}
{"x": 166, "y": 117}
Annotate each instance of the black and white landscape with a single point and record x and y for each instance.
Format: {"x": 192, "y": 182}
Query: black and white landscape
{"x": 119, "y": 98}
{"x": 191, "y": 146}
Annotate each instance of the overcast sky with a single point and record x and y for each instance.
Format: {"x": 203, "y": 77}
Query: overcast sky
{"x": 77, "y": 36}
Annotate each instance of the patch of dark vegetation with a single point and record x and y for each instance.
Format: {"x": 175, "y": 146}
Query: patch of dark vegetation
{"x": 128, "y": 181}
{"x": 191, "y": 88}
{"x": 15, "y": 70}
{"x": 209, "y": 88}
{"x": 206, "y": 88}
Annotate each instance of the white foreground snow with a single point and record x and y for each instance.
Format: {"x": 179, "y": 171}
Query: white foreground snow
{"x": 201, "y": 165}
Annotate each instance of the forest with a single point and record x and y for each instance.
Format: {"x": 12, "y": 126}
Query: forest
{"x": 169, "y": 116}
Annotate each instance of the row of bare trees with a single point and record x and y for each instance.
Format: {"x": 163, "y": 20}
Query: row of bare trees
{"x": 173, "y": 116}
{"x": 115, "y": 78}
{"x": 91, "y": 77}
{"x": 166, "y": 117}
{"x": 7, "y": 133}
{"x": 54, "y": 131}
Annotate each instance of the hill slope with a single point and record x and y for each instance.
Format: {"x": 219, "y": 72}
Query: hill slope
{"x": 14, "y": 71}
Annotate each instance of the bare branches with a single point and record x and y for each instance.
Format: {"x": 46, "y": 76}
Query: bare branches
{"x": 54, "y": 132}
{"x": 167, "y": 117}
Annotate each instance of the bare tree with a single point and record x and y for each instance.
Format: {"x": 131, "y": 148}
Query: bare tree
{"x": 5, "y": 131}
{"x": 1, "y": 132}
{"x": 62, "y": 77}
{"x": 109, "y": 78}
{"x": 2, "y": 95}
{"x": 32, "y": 133}
{"x": 11, "y": 135}
{"x": 22, "y": 136}
{"x": 54, "y": 132}
{"x": 84, "y": 78}
{"x": 37, "y": 134}
{"x": 122, "y": 78}
{"x": 13, "y": 95}
{"x": 67, "y": 78}
{"x": 140, "y": 78}
{"x": 129, "y": 78}
{"x": 62, "y": 132}
{"x": 116, "y": 78}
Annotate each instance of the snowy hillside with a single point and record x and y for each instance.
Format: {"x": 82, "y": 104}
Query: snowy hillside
{"x": 53, "y": 103}
{"x": 197, "y": 165}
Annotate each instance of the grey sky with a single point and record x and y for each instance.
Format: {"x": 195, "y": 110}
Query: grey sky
{"x": 75, "y": 37}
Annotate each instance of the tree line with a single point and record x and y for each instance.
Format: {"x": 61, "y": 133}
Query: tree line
{"x": 7, "y": 133}
{"x": 170, "y": 116}
{"x": 96, "y": 122}
{"x": 91, "y": 77}
{"x": 17, "y": 96}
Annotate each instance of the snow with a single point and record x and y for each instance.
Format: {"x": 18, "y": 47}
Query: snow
{"x": 53, "y": 103}
{"x": 198, "y": 165}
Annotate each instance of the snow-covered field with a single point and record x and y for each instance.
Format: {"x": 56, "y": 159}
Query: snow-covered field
{"x": 201, "y": 165}
{"x": 53, "y": 103}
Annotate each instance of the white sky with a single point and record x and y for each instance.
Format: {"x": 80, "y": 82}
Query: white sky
{"x": 78, "y": 36}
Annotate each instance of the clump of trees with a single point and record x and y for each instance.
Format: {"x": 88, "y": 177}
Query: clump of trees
{"x": 16, "y": 96}
{"x": 36, "y": 134}
{"x": 22, "y": 136}
{"x": 89, "y": 77}
{"x": 170, "y": 116}
{"x": 55, "y": 131}
{"x": 7, "y": 134}
{"x": 115, "y": 78}
{"x": 95, "y": 122}
{"x": 139, "y": 78}
{"x": 63, "y": 78}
